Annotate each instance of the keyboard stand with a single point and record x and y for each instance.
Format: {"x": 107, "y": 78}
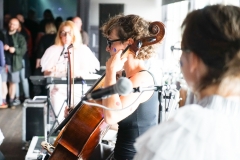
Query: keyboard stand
{"x": 56, "y": 121}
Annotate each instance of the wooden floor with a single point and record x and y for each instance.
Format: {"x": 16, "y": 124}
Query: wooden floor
{"x": 11, "y": 126}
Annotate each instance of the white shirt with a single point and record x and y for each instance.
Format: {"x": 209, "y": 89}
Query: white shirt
{"x": 84, "y": 61}
{"x": 209, "y": 130}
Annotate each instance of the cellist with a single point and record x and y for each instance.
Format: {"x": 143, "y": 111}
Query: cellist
{"x": 120, "y": 32}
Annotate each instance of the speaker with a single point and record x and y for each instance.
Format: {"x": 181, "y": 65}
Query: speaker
{"x": 106, "y": 11}
{"x": 34, "y": 118}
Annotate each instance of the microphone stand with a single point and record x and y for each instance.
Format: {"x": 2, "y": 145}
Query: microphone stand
{"x": 171, "y": 97}
{"x": 69, "y": 78}
{"x": 161, "y": 113}
{"x": 164, "y": 92}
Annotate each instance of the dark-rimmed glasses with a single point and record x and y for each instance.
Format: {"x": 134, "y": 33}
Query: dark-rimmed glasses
{"x": 110, "y": 42}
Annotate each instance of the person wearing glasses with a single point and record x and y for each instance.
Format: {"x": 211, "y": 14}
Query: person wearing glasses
{"x": 210, "y": 129}
{"x": 54, "y": 64}
{"x": 141, "y": 110}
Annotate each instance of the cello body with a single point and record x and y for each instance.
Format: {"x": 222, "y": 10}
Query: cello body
{"x": 85, "y": 126}
{"x": 82, "y": 133}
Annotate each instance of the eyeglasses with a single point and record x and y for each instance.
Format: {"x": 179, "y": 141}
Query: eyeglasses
{"x": 110, "y": 42}
{"x": 179, "y": 49}
{"x": 64, "y": 34}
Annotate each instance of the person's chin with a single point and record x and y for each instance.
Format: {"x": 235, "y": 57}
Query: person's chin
{"x": 112, "y": 54}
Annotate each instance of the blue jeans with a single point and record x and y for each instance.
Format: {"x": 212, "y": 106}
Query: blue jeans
{"x": 23, "y": 82}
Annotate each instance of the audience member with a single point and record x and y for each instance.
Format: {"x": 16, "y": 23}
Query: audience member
{"x": 2, "y": 65}
{"x": 46, "y": 41}
{"x": 6, "y": 20}
{"x": 210, "y": 65}
{"x": 47, "y": 17}
{"x": 25, "y": 72}
{"x": 78, "y": 22}
{"x": 54, "y": 64}
{"x": 58, "y": 21}
{"x": 15, "y": 47}
{"x": 32, "y": 25}
{"x": 69, "y": 18}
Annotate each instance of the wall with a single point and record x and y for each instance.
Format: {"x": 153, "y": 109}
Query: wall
{"x": 148, "y": 9}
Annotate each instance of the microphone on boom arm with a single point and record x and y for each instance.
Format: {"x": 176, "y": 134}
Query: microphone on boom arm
{"x": 65, "y": 48}
{"x": 154, "y": 88}
{"x": 122, "y": 87}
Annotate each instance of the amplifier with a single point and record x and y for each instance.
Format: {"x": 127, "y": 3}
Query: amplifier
{"x": 34, "y": 118}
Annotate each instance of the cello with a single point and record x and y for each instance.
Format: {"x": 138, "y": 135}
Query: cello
{"x": 84, "y": 127}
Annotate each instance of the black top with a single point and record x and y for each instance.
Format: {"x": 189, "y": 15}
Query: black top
{"x": 46, "y": 41}
{"x": 144, "y": 117}
{"x": 8, "y": 55}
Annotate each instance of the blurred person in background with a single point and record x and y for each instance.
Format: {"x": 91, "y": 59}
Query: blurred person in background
{"x": 54, "y": 64}
{"x": 22, "y": 89}
{"x": 2, "y": 66}
{"x": 46, "y": 41}
{"x": 78, "y": 22}
{"x": 14, "y": 48}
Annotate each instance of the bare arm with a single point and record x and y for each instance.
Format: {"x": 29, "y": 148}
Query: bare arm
{"x": 119, "y": 102}
{"x": 47, "y": 73}
{"x": 38, "y": 63}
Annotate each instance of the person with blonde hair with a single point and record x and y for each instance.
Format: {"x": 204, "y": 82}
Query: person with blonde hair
{"x": 54, "y": 64}
{"x": 210, "y": 129}
{"x": 46, "y": 41}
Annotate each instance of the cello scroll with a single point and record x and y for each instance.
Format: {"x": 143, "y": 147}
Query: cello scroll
{"x": 157, "y": 29}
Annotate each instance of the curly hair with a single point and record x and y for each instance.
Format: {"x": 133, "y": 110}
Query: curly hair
{"x": 213, "y": 34}
{"x": 130, "y": 26}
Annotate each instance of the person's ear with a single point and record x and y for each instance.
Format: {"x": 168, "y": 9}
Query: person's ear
{"x": 194, "y": 62}
{"x": 130, "y": 41}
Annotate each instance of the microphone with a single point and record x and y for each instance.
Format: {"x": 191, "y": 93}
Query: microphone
{"x": 64, "y": 49}
{"x": 122, "y": 87}
{"x": 154, "y": 88}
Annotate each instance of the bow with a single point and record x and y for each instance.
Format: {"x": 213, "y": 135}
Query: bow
{"x": 69, "y": 77}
